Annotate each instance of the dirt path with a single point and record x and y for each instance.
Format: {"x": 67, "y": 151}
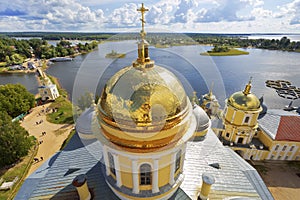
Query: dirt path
{"x": 281, "y": 178}
{"x": 50, "y": 142}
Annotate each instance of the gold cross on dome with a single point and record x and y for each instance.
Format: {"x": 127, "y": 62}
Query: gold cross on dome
{"x": 143, "y": 10}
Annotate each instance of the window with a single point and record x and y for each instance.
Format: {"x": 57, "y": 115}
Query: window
{"x": 111, "y": 164}
{"x": 247, "y": 120}
{"x": 292, "y": 148}
{"x": 145, "y": 174}
{"x": 276, "y": 148}
{"x": 279, "y": 157}
{"x": 286, "y": 157}
{"x": 227, "y": 134}
{"x": 178, "y": 161}
{"x": 284, "y": 147}
{"x": 240, "y": 140}
{"x": 272, "y": 157}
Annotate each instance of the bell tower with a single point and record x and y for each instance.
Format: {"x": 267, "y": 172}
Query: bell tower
{"x": 145, "y": 120}
{"x": 240, "y": 116}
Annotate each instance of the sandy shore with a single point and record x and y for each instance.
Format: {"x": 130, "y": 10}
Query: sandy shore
{"x": 51, "y": 141}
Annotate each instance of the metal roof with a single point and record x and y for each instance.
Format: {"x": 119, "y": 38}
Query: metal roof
{"x": 54, "y": 179}
{"x": 281, "y": 125}
{"x": 289, "y": 129}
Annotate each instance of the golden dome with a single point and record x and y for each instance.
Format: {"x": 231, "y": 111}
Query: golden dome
{"x": 244, "y": 100}
{"x": 145, "y": 105}
{"x": 142, "y": 96}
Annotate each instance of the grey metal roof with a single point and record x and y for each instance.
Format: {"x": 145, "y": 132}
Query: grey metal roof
{"x": 234, "y": 176}
{"x": 270, "y": 122}
{"x": 53, "y": 180}
{"x": 217, "y": 123}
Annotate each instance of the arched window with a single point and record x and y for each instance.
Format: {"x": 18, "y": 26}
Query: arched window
{"x": 111, "y": 163}
{"x": 240, "y": 140}
{"x": 178, "y": 161}
{"x": 145, "y": 174}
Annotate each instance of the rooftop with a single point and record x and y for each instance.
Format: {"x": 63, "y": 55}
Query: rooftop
{"x": 281, "y": 125}
{"x": 54, "y": 179}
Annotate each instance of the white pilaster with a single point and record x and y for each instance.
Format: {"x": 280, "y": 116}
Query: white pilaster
{"x": 293, "y": 152}
{"x": 117, "y": 169}
{"x": 233, "y": 116}
{"x": 172, "y": 171}
{"x": 278, "y": 152}
{"x": 106, "y": 160}
{"x": 135, "y": 177}
{"x": 155, "y": 176}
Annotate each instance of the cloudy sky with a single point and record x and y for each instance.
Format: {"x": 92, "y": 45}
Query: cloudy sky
{"x": 214, "y": 16}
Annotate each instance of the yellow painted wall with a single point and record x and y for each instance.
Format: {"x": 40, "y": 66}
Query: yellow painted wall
{"x": 127, "y": 179}
{"x": 238, "y": 119}
{"x": 265, "y": 139}
{"x": 229, "y": 113}
{"x": 164, "y": 176}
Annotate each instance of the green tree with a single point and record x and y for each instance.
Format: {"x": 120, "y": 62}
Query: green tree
{"x": 17, "y": 59}
{"x": 14, "y": 140}
{"x": 15, "y": 99}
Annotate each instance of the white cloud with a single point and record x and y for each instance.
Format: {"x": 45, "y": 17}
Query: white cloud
{"x": 176, "y": 15}
{"x": 261, "y": 13}
{"x": 291, "y": 11}
{"x": 226, "y": 10}
{"x": 54, "y": 15}
{"x": 125, "y": 16}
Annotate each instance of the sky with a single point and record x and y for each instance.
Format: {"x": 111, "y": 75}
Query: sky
{"x": 203, "y": 16}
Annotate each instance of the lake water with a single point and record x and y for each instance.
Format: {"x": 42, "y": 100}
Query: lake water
{"x": 28, "y": 80}
{"x": 88, "y": 73}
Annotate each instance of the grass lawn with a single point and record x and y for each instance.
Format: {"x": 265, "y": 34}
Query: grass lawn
{"x": 19, "y": 170}
{"x": 64, "y": 112}
{"x": 231, "y": 52}
{"x": 64, "y": 109}
{"x": 3, "y": 69}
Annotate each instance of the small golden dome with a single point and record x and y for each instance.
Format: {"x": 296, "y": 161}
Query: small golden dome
{"x": 243, "y": 101}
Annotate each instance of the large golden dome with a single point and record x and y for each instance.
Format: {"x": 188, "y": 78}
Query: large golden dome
{"x": 142, "y": 96}
{"x": 244, "y": 100}
{"x": 144, "y": 108}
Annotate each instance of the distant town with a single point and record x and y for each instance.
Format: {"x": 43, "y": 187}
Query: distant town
{"x": 19, "y": 46}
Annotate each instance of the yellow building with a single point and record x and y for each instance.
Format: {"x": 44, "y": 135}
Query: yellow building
{"x": 279, "y": 131}
{"x": 275, "y": 136}
{"x": 240, "y": 116}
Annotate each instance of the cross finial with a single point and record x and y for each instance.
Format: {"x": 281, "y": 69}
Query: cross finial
{"x": 248, "y": 87}
{"x": 143, "y": 10}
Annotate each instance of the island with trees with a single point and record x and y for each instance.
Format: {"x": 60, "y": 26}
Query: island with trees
{"x": 224, "y": 51}
{"x": 114, "y": 54}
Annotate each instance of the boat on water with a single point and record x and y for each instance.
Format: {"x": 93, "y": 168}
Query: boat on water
{"x": 60, "y": 59}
